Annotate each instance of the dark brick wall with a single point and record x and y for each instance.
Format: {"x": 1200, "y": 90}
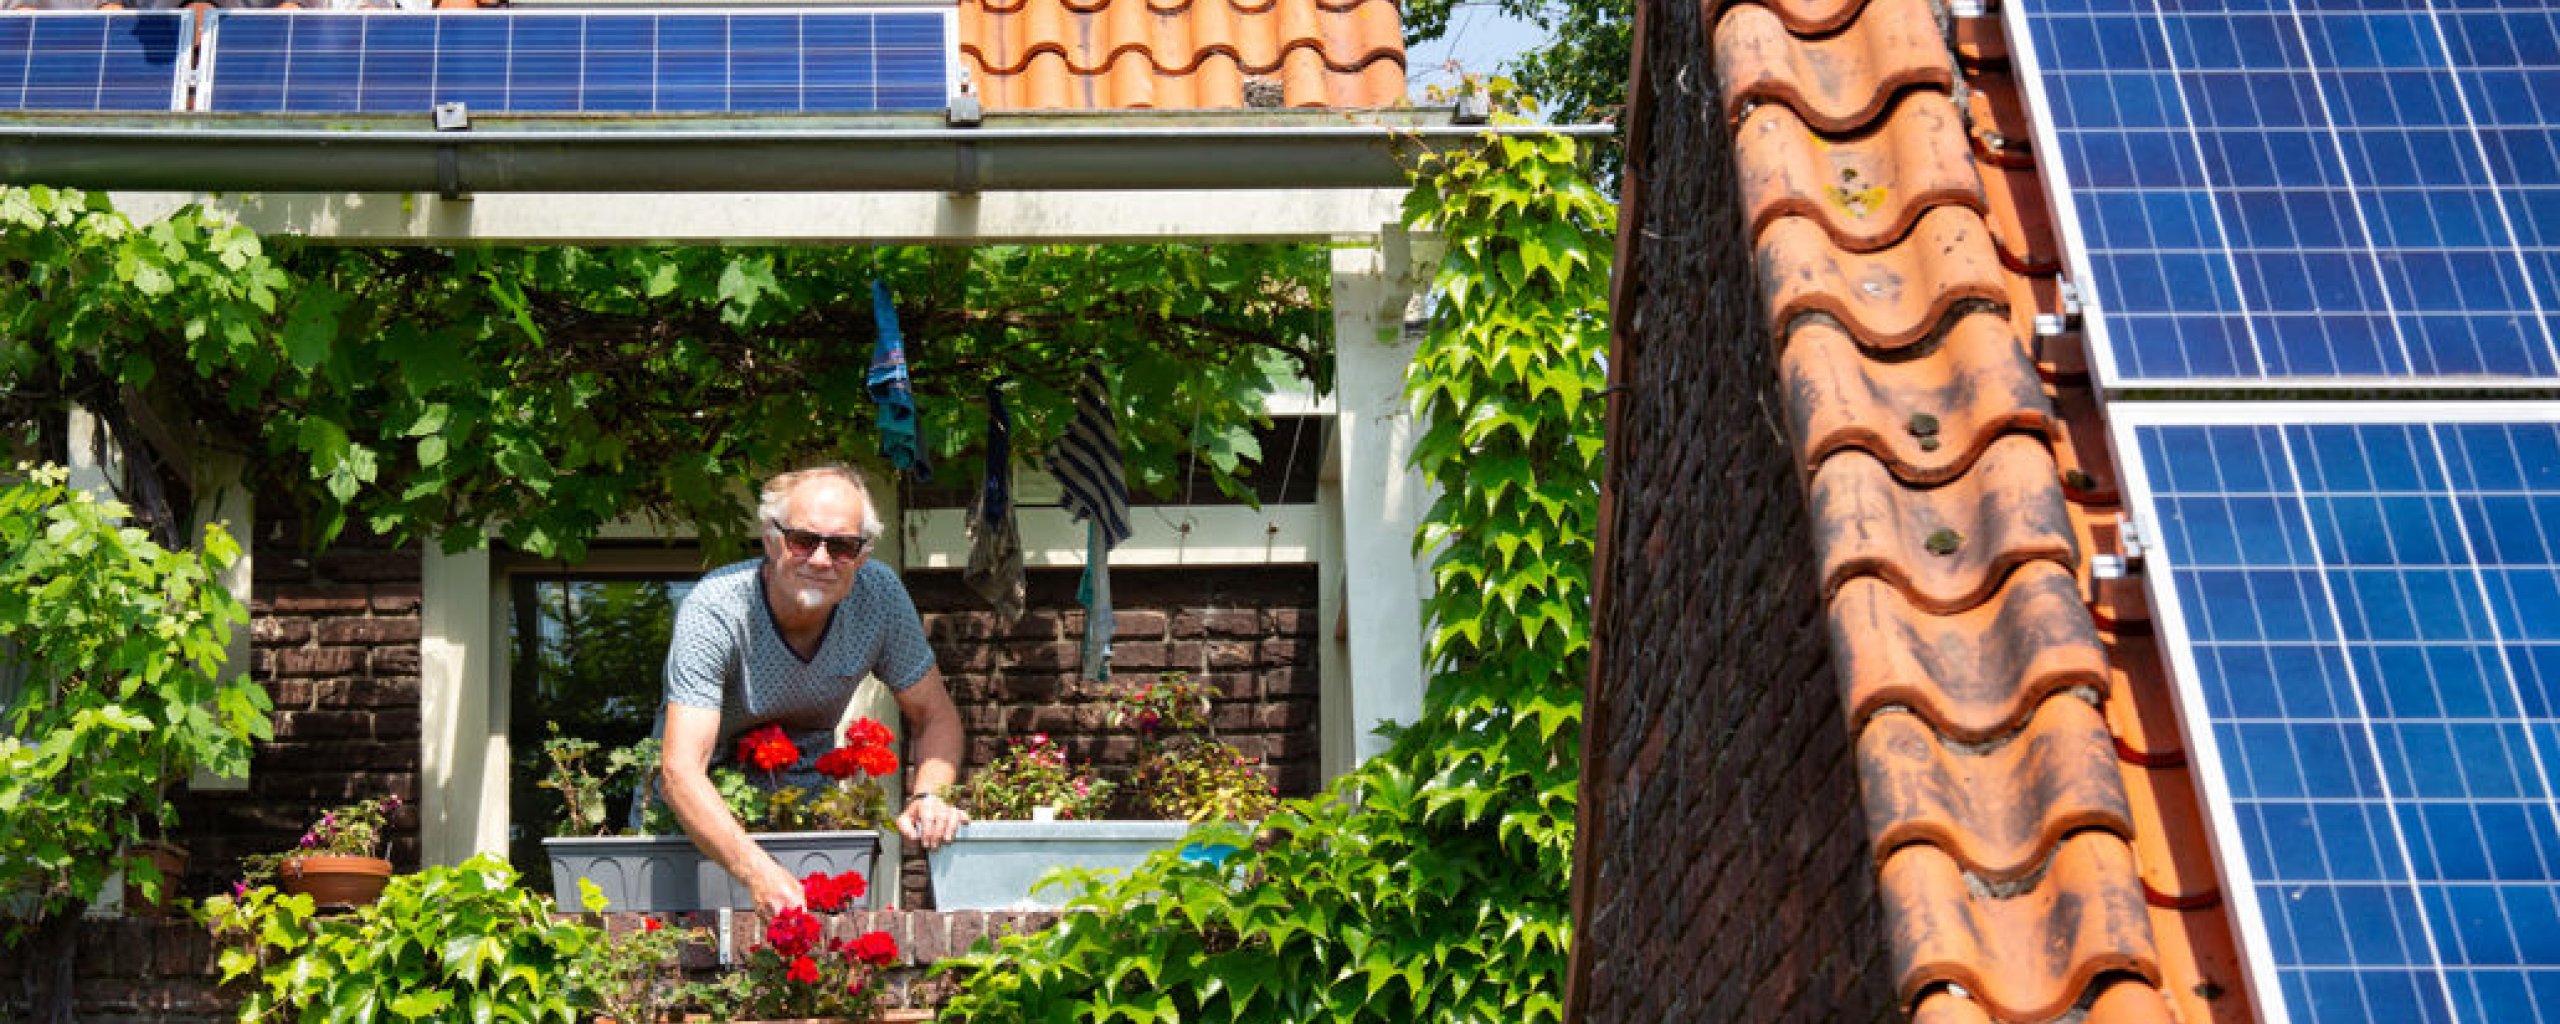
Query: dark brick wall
{"x": 1725, "y": 874}
{"x": 335, "y": 642}
{"x": 1248, "y": 630}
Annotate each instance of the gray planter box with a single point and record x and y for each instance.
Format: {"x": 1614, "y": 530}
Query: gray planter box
{"x": 663, "y": 874}
{"x": 994, "y": 864}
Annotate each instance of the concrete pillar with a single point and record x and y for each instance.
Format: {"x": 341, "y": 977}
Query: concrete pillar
{"x": 462, "y": 783}
{"x": 1383, "y": 500}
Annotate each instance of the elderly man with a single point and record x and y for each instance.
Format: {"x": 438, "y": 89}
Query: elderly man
{"x": 786, "y": 639}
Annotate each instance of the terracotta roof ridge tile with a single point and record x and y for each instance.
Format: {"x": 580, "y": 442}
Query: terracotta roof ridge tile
{"x": 2000, "y": 811}
{"x": 2115, "y": 1000}
{"x": 1836, "y": 84}
{"x": 1274, "y": 63}
{"x": 2030, "y": 956}
{"x": 1865, "y": 190}
{"x": 1802, "y": 17}
{"x": 1927, "y": 418}
{"x": 1948, "y": 547}
{"x": 1975, "y": 675}
{"x": 1888, "y": 298}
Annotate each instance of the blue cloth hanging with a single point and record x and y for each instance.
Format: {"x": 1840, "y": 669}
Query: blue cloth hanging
{"x": 1087, "y": 464}
{"x": 901, "y": 436}
{"x": 995, "y": 543}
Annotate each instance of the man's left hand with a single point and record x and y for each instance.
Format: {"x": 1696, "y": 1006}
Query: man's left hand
{"x": 931, "y": 821}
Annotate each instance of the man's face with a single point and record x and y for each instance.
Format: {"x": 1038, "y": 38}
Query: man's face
{"x": 812, "y": 574}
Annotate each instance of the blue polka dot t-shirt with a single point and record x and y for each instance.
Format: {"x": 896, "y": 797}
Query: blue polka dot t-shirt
{"x": 727, "y": 653}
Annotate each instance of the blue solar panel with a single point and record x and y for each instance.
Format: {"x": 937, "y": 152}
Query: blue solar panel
{"x": 92, "y": 61}
{"x": 2363, "y": 605}
{"x": 2306, "y": 190}
{"x": 533, "y": 62}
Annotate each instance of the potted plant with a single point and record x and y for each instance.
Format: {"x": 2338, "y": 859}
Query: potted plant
{"x": 832, "y": 828}
{"x": 447, "y": 944}
{"x": 1030, "y": 814}
{"x": 338, "y": 862}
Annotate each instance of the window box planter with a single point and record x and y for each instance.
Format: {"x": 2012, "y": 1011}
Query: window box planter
{"x": 666, "y": 874}
{"x": 992, "y": 865}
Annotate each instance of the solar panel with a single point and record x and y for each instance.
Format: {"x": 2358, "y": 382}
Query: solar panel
{"x": 93, "y": 61}
{"x": 580, "y": 62}
{"x": 2362, "y": 609}
{"x": 2302, "y": 192}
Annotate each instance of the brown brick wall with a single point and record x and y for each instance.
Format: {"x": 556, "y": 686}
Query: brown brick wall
{"x": 335, "y": 641}
{"x": 1248, "y": 630}
{"x": 1725, "y": 866}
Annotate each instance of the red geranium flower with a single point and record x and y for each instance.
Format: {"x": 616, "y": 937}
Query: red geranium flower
{"x": 876, "y": 949}
{"x": 828, "y": 895}
{"x": 768, "y": 748}
{"x": 876, "y": 760}
{"x": 651, "y": 924}
{"x": 868, "y": 732}
{"x": 804, "y": 970}
{"x": 840, "y": 763}
{"x": 793, "y": 932}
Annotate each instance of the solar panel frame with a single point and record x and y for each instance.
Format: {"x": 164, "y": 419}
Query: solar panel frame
{"x": 2212, "y": 269}
{"x": 634, "y": 34}
{"x": 181, "y": 69}
{"x": 2177, "y": 629}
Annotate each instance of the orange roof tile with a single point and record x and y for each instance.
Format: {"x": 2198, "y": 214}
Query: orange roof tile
{"x": 1975, "y": 675}
{"x": 2025, "y": 952}
{"x": 1927, "y": 417}
{"x": 1196, "y": 54}
{"x": 1865, "y": 189}
{"x": 2000, "y": 810}
{"x": 1948, "y": 547}
{"x": 1889, "y": 298}
{"x": 1837, "y": 83}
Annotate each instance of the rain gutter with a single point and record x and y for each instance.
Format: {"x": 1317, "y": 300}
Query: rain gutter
{"x": 1021, "y": 152}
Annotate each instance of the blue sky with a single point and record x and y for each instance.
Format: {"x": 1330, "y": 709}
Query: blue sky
{"x": 1480, "y": 38}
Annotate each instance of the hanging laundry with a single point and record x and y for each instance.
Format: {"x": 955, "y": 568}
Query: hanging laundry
{"x": 901, "y": 436}
{"x": 995, "y": 544}
{"x": 1087, "y": 464}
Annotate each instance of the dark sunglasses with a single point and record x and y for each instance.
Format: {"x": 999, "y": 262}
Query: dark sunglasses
{"x": 803, "y": 543}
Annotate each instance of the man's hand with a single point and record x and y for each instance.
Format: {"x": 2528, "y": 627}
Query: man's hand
{"x": 930, "y": 820}
{"x": 776, "y": 891}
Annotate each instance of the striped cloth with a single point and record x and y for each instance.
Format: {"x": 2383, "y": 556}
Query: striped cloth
{"x": 1087, "y": 464}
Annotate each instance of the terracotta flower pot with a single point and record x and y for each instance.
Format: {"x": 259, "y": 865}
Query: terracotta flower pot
{"x": 171, "y": 859}
{"x": 333, "y": 881}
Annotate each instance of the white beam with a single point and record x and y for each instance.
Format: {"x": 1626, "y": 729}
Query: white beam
{"x": 937, "y": 538}
{"x": 797, "y": 218}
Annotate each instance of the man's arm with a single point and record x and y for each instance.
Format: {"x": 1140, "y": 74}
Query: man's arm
{"x": 934, "y": 725}
{"x": 684, "y": 777}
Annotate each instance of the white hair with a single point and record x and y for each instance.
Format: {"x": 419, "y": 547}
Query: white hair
{"x": 777, "y": 493}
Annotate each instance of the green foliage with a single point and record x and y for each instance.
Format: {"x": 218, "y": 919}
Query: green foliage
{"x": 109, "y": 649}
{"x": 1430, "y": 884}
{"x": 1580, "y": 74}
{"x": 636, "y": 976}
{"x": 447, "y": 944}
{"x": 540, "y": 393}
